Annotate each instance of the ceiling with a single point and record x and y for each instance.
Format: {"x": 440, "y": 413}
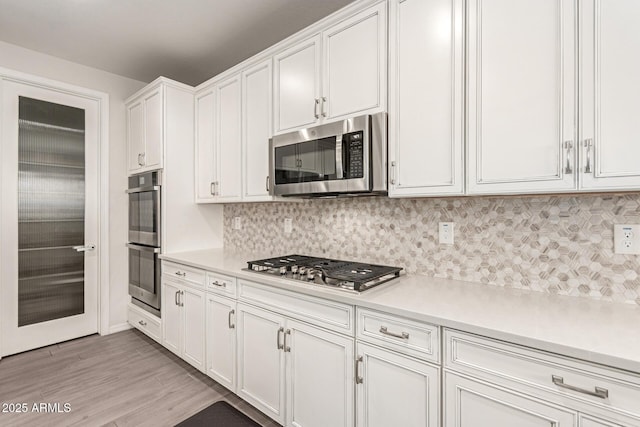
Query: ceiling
{"x": 186, "y": 40}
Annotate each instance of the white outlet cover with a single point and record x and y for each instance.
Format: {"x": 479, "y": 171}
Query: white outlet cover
{"x": 445, "y": 233}
{"x": 626, "y": 238}
{"x": 237, "y": 223}
{"x": 288, "y": 225}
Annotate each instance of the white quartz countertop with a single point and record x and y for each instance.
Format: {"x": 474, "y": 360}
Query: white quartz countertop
{"x": 596, "y": 331}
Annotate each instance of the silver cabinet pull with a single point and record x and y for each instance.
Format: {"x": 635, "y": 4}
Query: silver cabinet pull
{"x": 180, "y": 273}
{"x": 267, "y": 184}
{"x": 141, "y": 161}
{"x": 142, "y": 323}
{"x": 315, "y": 108}
{"x": 324, "y": 101}
{"x": 181, "y": 302}
{"x": 286, "y": 347}
{"x": 231, "y": 313}
{"x": 403, "y": 335}
{"x": 359, "y": 379}
{"x": 588, "y": 143}
{"x": 392, "y": 174}
{"x": 221, "y": 285}
{"x": 212, "y": 190}
{"x": 568, "y": 145}
{"x": 176, "y": 298}
{"x": 84, "y": 248}
{"x": 278, "y": 340}
{"x": 600, "y": 392}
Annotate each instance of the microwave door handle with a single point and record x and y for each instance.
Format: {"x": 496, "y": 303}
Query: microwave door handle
{"x": 339, "y": 169}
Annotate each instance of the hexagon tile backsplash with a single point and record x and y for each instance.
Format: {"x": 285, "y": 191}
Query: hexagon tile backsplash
{"x": 557, "y": 244}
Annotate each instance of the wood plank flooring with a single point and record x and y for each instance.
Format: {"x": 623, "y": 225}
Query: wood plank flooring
{"x": 123, "y": 379}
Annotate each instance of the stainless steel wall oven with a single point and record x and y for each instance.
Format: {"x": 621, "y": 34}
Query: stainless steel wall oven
{"x": 144, "y": 241}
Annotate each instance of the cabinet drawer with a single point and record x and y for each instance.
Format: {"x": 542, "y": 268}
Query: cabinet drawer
{"x": 187, "y": 274}
{"x": 145, "y": 322}
{"x": 543, "y": 374}
{"x": 407, "y": 336}
{"x": 221, "y": 284}
{"x": 327, "y": 314}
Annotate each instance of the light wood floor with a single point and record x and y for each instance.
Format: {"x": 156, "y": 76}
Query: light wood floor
{"x": 123, "y": 379}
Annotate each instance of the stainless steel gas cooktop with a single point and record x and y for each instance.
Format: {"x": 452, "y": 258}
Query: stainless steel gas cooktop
{"x": 344, "y": 275}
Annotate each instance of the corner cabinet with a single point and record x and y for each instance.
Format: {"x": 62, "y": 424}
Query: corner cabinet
{"x": 233, "y": 127}
{"x": 426, "y": 99}
{"x": 521, "y": 96}
{"x": 145, "y": 129}
{"x": 337, "y": 73}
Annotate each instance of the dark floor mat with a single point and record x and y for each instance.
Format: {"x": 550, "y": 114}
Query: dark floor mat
{"x": 220, "y": 414}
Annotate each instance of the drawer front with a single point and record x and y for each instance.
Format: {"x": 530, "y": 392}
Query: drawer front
{"x": 414, "y": 338}
{"x": 190, "y": 275}
{"x": 221, "y": 284}
{"x": 146, "y": 323}
{"x": 581, "y": 385}
{"x": 327, "y": 314}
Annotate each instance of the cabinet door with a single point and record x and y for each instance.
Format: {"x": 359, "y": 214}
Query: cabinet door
{"x": 172, "y": 322}
{"x": 521, "y": 96}
{"x": 135, "y": 135}
{"x": 320, "y": 380}
{"x": 153, "y": 129}
{"x": 470, "y": 403}
{"x": 193, "y": 304}
{"x": 396, "y": 390}
{"x": 589, "y": 421}
{"x": 261, "y": 360}
{"x": 355, "y": 65}
{"x": 221, "y": 340}
{"x": 205, "y": 170}
{"x": 610, "y": 89}
{"x": 228, "y": 140}
{"x": 426, "y": 124}
{"x": 256, "y": 125}
{"x": 297, "y": 86}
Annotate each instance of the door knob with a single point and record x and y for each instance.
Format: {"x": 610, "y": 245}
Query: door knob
{"x": 84, "y": 248}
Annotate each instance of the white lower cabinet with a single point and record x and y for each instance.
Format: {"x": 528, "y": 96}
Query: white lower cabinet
{"x": 395, "y": 390}
{"x": 183, "y": 322}
{"x": 298, "y": 374}
{"x": 221, "y": 340}
{"x": 470, "y": 403}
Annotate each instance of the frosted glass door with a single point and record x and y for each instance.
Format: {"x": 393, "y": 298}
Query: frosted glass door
{"x": 49, "y": 217}
{"x": 50, "y": 211}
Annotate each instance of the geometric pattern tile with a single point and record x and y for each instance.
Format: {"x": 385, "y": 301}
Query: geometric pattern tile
{"x": 560, "y": 244}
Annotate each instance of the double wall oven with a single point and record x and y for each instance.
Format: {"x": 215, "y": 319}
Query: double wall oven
{"x": 144, "y": 241}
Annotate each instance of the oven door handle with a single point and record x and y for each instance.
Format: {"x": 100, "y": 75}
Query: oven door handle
{"x": 339, "y": 168}
{"x": 143, "y": 189}
{"x": 143, "y": 248}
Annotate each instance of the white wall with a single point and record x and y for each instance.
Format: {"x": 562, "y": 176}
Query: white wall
{"x": 119, "y": 88}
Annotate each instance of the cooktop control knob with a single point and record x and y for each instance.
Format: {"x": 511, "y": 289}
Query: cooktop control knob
{"x": 283, "y": 270}
{"x": 302, "y": 271}
{"x": 294, "y": 269}
{"x": 311, "y": 274}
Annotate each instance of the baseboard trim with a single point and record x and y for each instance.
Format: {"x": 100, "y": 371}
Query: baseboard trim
{"x": 119, "y": 328}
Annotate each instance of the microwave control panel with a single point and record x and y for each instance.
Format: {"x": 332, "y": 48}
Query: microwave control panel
{"x": 354, "y": 154}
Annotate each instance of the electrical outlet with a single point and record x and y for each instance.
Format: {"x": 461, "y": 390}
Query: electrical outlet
{"x": 445, "y": 233}
{"x": 237, "y": 223}
{"x": 626, "y": 239}
{"x": 288, "y": 225}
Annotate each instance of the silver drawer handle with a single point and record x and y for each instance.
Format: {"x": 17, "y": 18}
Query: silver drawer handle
{"x": 403, "y": 335}
{"x": 143, "y": 323}
{"x": 359, "y": 379}
{"x": 181, "y": 273}
{"x": 600, "y": 392}
{"x": 222, "y": 285}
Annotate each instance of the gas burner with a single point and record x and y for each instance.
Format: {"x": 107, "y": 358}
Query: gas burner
{"x": 344, "y": 275}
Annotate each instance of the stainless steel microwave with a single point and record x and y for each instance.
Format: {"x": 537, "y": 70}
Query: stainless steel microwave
{"x": 342, "y": 158}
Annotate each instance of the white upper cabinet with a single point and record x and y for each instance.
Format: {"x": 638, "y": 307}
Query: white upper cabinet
{"x": 145, "y": 130}
{"x": 219, "y": 142}
{"x": 610, "y": 89}
{"x": 426, "y": 100}
{"x": 521, "y": 96}
{"x": 297, "y": 85}
{"x": 334, "y": 74}
{"x": 256, "y": 130}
